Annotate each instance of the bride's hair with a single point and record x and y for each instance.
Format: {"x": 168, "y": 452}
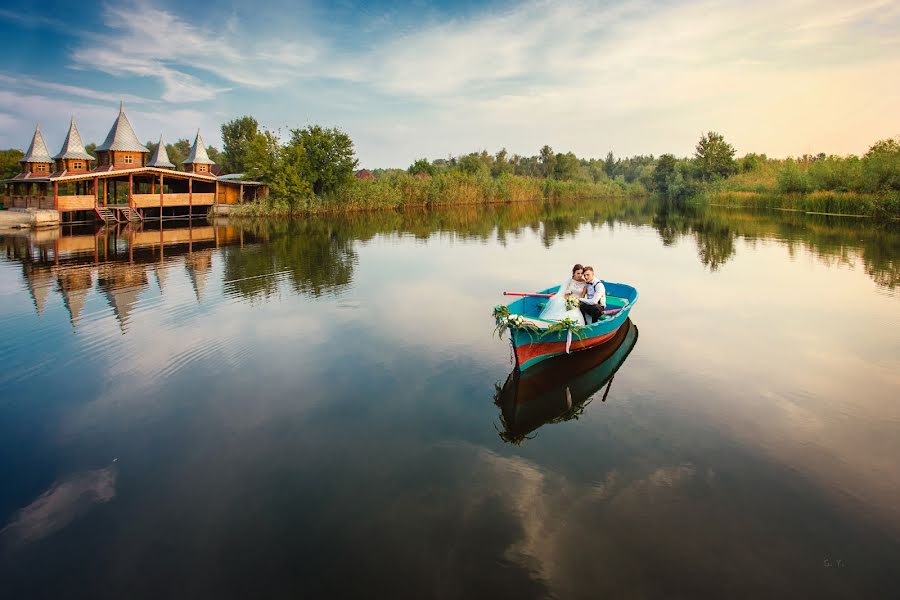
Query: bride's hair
{"x": 577, "y": 267}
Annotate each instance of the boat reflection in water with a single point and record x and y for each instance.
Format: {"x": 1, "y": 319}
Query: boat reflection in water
{"x": 560, "y": 388}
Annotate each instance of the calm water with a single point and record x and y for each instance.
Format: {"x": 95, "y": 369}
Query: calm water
{"x": 319, "y": 410}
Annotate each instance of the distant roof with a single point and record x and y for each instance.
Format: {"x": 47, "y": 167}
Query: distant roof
{"x": 198, "y": 153}
{"x": 160, "y": 157}
{"x": 73, "y": 147}
{"x": 122, "y": 136}
{"x": 37, "y": 152}
{"x": 237, "y": 178}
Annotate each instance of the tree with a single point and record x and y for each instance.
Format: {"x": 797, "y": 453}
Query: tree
{"x": 663, "y": 175}
{"x": 178, "y": 152}
{"x": 421, "y": 166}
{"x": 91, "y": 149}
{"x": 548, "y": 161}
{"x": 501, "y": 164}
{"x": 610, "y": 165}
{"x": 567, "y": 167}
{"x": 329, "y": 155}
{"x": 214, "y": 155}
{"x": 9, "y": 163}
{"x": 881, "y": 166}
{"x": 237, "y": 135}
{"x": 472, "y": 164}
{"x": 751, "y": 162}
{"x": 714, "y": 157}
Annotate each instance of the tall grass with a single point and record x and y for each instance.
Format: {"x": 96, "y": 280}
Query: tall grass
{"x": 400, "y": 190}
{"x": 840, "y": 185}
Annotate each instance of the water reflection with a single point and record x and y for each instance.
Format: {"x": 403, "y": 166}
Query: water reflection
{"x": 62, "y": 503}
{"x": 560, "y": 388}
{"x": 318, "y": 256}
{"x": 315, "y": 392}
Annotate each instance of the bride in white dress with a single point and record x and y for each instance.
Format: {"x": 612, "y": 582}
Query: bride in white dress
{"x": 556, "y": 306}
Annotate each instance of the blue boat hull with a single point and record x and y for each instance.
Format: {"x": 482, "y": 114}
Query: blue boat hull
{"x": 534, "y": 347}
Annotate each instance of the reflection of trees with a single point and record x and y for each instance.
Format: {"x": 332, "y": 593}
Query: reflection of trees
{"x": 831, "y": 239}
{"x": 715, "y": 244}
{"x": 316, "y": 255}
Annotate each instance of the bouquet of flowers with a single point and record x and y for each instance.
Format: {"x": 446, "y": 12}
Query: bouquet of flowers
{"x": 571, "y": 302}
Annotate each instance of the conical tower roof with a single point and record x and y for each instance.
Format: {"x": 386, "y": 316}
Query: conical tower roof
{"x": 73, "y": 147}
{"x": 160, "y": 157}
{"x": 198, "y": 153}
{"x": 74, "y": 285}
{"x": 198, "y": 265}
{"x": 37, "y": 152}
{"x": 121, "y": 136}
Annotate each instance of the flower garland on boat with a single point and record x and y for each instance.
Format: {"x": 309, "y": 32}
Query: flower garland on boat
{"x": 571, "y": 327}
{"x": 505, "y": 321}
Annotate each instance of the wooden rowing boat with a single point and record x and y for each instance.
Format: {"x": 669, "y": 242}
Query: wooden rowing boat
{"x": 536, "y": 340}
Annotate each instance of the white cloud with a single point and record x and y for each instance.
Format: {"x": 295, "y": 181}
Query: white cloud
{"x": 147, "y": 41}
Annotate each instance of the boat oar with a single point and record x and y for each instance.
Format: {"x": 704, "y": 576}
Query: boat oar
{"x": 527, "y": 294}
{"x": 610, "y": 311}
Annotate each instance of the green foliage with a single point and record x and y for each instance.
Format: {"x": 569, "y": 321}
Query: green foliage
{"x": 663, "y": 175}
{"x": 91, "y": 149}
{"x": 548, "y": 161}
{"x": 329, "y": 156}
{"x": 178, "y": 152}
{"x": 214, "y": 155}
{"x": 610, "y": 165}
{"x": 472, "y": 164}
{"x": 568, "y": 167}
{"x": 421, "y": 166}
{"x": 237, "y": 135}
{"x": 881, "y": 166}
{"x": 714, "y": 157}
{"x": 750, "y": 162}
{"x": 501, "y": 165}
{"x": 9, "y": 163}
{"x": 792, "y": 179}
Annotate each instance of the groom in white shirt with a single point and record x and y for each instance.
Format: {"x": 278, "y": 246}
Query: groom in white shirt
{"x": 595, "y": 299}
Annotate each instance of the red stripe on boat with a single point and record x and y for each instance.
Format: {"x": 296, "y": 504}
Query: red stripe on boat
{"x": 534, "y": 350}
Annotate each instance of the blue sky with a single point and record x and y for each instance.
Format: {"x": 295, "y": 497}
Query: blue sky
{"x": 415, "y": 79}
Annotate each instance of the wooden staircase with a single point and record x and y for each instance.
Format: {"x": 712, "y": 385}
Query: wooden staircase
{"x": 129, "y": 214}
{"x": 105, "y": 214}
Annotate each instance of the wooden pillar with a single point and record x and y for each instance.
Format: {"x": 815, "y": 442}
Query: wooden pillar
{"x": 105, "y": 191}
{"x": 160, "y": 199}
{"x": 241, "y": 195}
{"x": 55, "y": 195}
{"x": 130, "y": 190}
{"x": 96, "y": 181}
{"x": 152, "y": 183}
{"x": 216, "y": 199}
{"x": 190, "y": 199}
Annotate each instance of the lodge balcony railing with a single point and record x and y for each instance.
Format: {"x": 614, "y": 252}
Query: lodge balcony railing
{"x": 181, "y": 199}
{"x": 87, "y": 202}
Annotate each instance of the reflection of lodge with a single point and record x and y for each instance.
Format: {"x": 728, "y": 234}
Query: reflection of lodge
{"x": 116, "y": 259}
{"x": 126, "y": 183}
{"x": 560, "y": 388}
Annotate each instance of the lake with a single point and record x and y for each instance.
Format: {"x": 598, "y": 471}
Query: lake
{"x": 320, "y": 409}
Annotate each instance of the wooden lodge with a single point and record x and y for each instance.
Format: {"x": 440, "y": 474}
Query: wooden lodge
{"x": 125, "y": 184}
